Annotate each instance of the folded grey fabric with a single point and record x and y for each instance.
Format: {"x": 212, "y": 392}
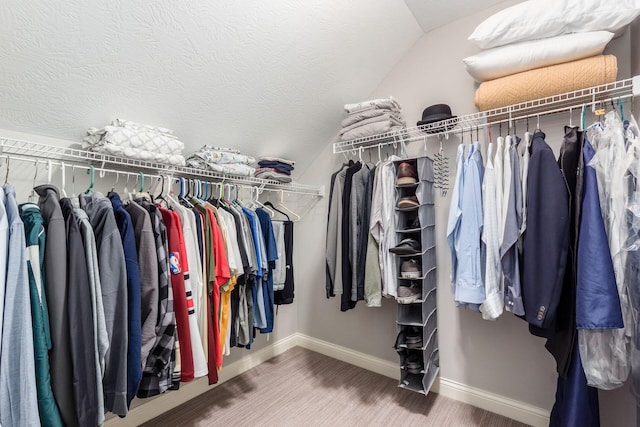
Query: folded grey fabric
{"x": 275, "y": 176}
{"x": 273, "y": 169}
{"x": 280, "y": 167}
{"x": 389, "y": 104}
{"x": 362, "y": 115}
{"x": 277, "y": 159}
{"x": 370, "y": 129}
{"x": 394, "y": 118}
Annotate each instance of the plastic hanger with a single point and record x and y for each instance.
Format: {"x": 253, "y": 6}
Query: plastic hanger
{"x": 49, "y": 171}
{"x": 268, "y": 203}
{"x": 73, "y": 181}
{"x": 6, "y": 175}
{"x": 282, "y": 206}
{"x": 63, "y": 179}
{"x": 141, "y": 193}
{"x": 257, "y": 202}
{"x": 113, "y": 186}
{"x": 92, "y": 179}
{"x": 33, "y": 197}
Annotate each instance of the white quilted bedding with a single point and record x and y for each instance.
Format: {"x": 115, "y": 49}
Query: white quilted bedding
{"x": 134, "y": 138}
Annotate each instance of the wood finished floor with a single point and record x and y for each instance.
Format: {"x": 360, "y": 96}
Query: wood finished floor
{"x": 304, "y": 388}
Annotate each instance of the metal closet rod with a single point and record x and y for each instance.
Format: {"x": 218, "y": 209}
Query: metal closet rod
{"x": 102, "y": 171}
{"x": 403, "y": 139}
{"x": 621, "y": 89}
{"x": 16, "y": 147}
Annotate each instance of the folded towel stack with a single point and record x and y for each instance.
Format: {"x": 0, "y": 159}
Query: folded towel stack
{"x": 536, "y": 49}
{"x": 136, "y": 141}
{"x": 222, "y": 160}
{"x": 275, "y": 169}
{"x": 369, "y": 118}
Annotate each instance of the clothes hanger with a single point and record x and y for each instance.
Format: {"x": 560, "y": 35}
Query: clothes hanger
{"x": 92, "y": 179}
{"x": 268, "y": 203}
{"x": 282, "y": 206}
{"x": 182, "y": 196}
{"x": 141, "y": 193}
{"x": 63, "y": 179}
{"x": 257, "y": 202}
{"x": 33, "y": 197}
{"x": 73, "y": 181}
{"x": 49, "y": 171}
{"x": 113, "y": 186}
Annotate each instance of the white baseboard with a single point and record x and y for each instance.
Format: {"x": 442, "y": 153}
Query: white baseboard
{"x": 148, "y": 409}
{"x": 492, "y": 402}
{"x": 352, "y": 357}
{"x": 498, "y": 404}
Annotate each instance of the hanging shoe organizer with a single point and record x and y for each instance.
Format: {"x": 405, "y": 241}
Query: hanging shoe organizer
{"x": 417, "y": 342}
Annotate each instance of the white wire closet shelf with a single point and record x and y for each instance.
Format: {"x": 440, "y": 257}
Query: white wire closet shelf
{"x": 610, "y": 92}
{"x": 10, "y": 146}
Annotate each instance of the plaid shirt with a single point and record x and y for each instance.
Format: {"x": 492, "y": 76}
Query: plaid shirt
{"x": 157, "y": 373}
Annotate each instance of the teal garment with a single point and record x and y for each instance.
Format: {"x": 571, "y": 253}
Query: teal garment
{"x": 35, "y": 239}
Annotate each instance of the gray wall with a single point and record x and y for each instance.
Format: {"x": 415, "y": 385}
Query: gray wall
{"x": 501, "y": 356}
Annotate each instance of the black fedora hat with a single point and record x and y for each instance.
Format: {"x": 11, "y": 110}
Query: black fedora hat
{"x": 436, "y": 113}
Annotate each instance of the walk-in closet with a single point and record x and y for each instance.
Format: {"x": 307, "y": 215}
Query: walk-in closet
{"x": 324, "y": 214}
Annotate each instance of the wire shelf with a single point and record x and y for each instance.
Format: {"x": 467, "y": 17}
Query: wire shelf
{"x": 10, "y": 146}
{"x": 592, "y": 96}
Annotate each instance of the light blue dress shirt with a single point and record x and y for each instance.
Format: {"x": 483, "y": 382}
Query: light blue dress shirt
{"x": 455, "y": 211}
{"x": 18, "y": 395}
{"x": 469, "y": 285}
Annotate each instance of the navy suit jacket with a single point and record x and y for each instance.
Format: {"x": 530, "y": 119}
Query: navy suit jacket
{"x": 546, "y": 240}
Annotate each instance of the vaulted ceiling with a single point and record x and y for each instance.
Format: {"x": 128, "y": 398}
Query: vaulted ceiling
{"x": 267, "y": 77}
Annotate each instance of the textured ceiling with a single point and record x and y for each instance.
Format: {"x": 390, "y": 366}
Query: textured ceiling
{"x": 264, "y": 77}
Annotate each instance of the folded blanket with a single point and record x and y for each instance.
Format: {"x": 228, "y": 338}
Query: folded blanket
{"x": 268, "y": 169}
{"x": 228, "y": 150}
{"x": 139, "y": 154}
{"x": 362, "y": 115}
{"x": 211, "y": 155}
{"x": 388, "y": 104}
{"x": 277, "y": 159}
{"x": 395, "y": 118}
{"x": 274, "y": 176}
{"x": 280, "y": 167}
{"x": 230, "y": 168}
{"x": 370, "y": 130}
{"x": 546, "y": 81}
{"x": 130, "y": 135}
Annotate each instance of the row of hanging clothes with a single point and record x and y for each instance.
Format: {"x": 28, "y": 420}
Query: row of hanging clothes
{"x": 556, "y": 241}
{"x": 360, "y": 231}
{"x": 105, "y": 298}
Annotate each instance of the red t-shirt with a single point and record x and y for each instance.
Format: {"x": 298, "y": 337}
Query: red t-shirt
{"x": 177, "y": 256}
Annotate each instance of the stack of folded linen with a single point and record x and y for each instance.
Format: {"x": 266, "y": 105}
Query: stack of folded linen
{"x": 369, "y": 118}
{"x": 275, "y": 169}
{"x": 537, "y": 49}
{"x": 136, "y": 141}
{"x": 222, "y": 160}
